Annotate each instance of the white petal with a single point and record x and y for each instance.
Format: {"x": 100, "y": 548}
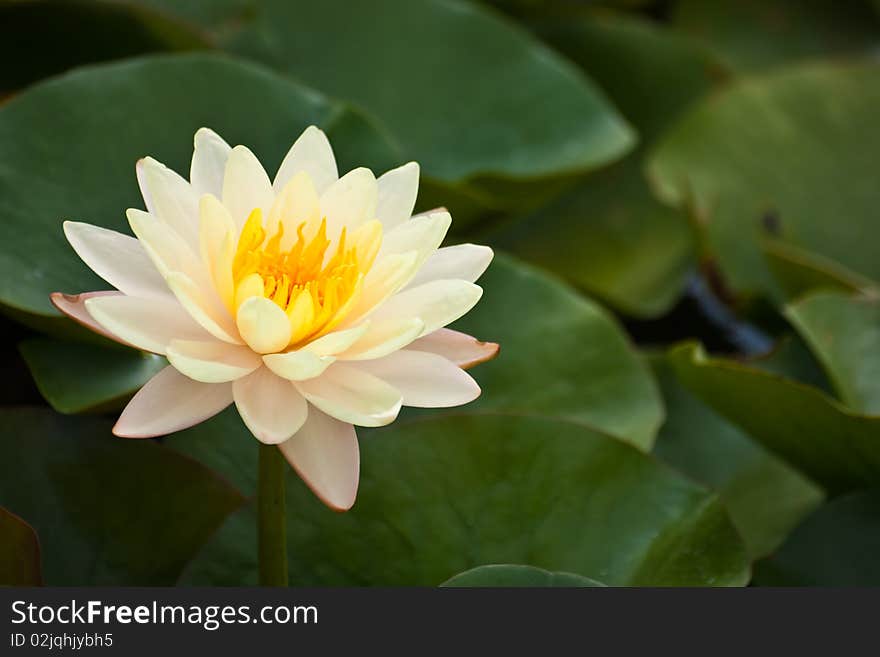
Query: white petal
{"x": 246, "y": 185}
{"x": 325, "y": 454}
{"x": 350, "y": 201}
{"x": 398, "y": 189}
{"x": 148, "y": 324}
{"x": 118, "y": 259}
{"x": 204, "y": 307}
{"x": 74, "y": 306}
{"x": 462, "y": 349}
{"x": 310, "y": 153}
{"x": 208, "y": 163}
{"x": 168, "y": 251}
{"x": 384, "y": 338}
{"x": 170, "y": 198}
{"x": 338, "y": 341}
{"x": 351, "y": 395}
{"x": 425, "y": 380}
{"x": 465, "y": 262}
{"x": 436, "y": 303}
{"x": 263, "y": 325}
{"x": 298, "y": 365}
{"x": 270, "y": 406}
{"x": 171, "y": 402}
{"x": 211, "y": 361}
{"x": 422, "y": 234}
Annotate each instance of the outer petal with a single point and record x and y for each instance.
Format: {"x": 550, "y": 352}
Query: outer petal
{"x": 436, "y": 303}
{"x": 466, "y": 262}
{"x": 148, "y": 324}
{"x": 310, "y": 153}
{"x": 118, "y": 259}
{"x": 422, "y": 234}
{"x": 352, "y": 395}
{"x": 325, "y": 454}
{"x": 263, "y": 325}
{"x": 350, "y": 201}
{"x": 462, "y": 349}
{"x": 171, "y": 402}
{"x": 425, "y": 380}
{"x": 398, "y": 189}
{"x": 170, "y": 198}
{"x": 270, "y": 406}
{"x": 211, "y": 361}
{"x": 74, "y": 306}
{"x": 245, "y": 185}
{"x": 208, "y": 163}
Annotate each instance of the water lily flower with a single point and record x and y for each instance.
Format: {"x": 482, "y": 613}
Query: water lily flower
{"x": 314, "y": 303}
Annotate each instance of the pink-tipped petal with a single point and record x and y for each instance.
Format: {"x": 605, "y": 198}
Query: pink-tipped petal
{"x": 462, "y": 349}
{"x": 425, "y": 380}
{"x": 171, "y": 402}
{"x": 270, "y": 406}
{"x": 74, "y": 306}
{"x": 324, "y": 452}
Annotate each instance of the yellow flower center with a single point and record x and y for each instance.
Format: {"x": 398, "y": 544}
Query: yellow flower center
{"x": 314, "y": 284}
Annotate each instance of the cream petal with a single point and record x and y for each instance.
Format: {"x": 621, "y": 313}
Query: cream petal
{"x": 204, "y": 307}
{"x": 208, "y": 167}
{"x": 422, "y": 234}
{"x": 74, "y": 306}
{"x": 298, "y": 365}
{"x": 437, "y": 303}
{"x": 338, "y": 341}
{"x": 465, "y": 262}
{"x": 163, "y": 245}
{"x": 384, "y": 338}
{"x": 297, "y": 203}
{"x": 325, "y": 454}
{"x": 246, "y": 185}
{"x": 211, "y": 361}
{"x": 425, "y": 380}
{"x": 350, "y": 201}
{"x": 462, "y": 349}
{"x": 398, "y": 189}
{"x": 217, "y": 234}
{"x": 118, "y": 259}
{"x": 170, "y": 198}
{"x": 385, "y": 278}
{"x": 148, "y": 324}
{"x": 270, "y": 406}
{"x": 310, "y": 153}
{"x": 352, "y": 395}
{"x": 171, "y": 402}
{"x": 263, "y": 325}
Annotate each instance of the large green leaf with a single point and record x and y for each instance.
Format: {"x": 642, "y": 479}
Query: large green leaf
{"x": 19, "y": 552}
{"x": 765, "y": 497}
{"x": 844, "y": 333}
{"x": 76, "y": 377}
{"x": 756, "y": 34}
{"x": 512, "y": 575}
{"x": 561, "y": 355}
{"x": 439, "y": 496}
{"x": 609, "y": 235}
{"x": 68, "y": 149}
{"x": 108, "y": 510}
{"x": 804, "y": 159}
{"x": 824, "y": 439}
{"x": 836, "y": 546}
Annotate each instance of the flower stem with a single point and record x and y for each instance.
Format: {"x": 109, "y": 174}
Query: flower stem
{"x": 271, "y": 518}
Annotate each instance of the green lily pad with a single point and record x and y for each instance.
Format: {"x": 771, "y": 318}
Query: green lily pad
{"x": 75, "y": 377}
{"x": 439, "y": 496}
{"x": 836, "y": 546}
{"x": 766, "y": 497}
{"x": 510, "y": 575}
{"x": 561, "y": 355}
{"x": 609, "y": 234}
{"x": 804, "y": 156}
{"x": 752, "y": 35}
{"x": 844, "y": 333}
{"x": 825, "y": 440}
{"x": 19, "y": 552}
{"x": 109, "y": 511}
{"x": 82, "y": 166}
